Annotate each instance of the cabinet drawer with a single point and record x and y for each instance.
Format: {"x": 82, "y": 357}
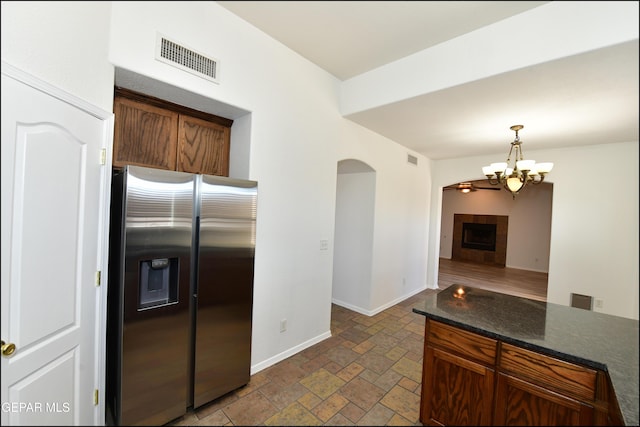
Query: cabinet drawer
{"x": 565, "y": 377}
{"x": 464, "y": 343}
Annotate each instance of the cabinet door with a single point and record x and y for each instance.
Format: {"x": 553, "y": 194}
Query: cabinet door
{"x": 520, "y": 403}
{"x": 455, "y": 391}
{"x": 144, "y": 135}
{"x": 203, "y": 147}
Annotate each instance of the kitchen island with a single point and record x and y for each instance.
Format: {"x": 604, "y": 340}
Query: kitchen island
{"x": 492, "y": 358}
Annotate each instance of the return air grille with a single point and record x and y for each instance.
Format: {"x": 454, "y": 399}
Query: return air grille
{"x": 412, "y": 159}
{"x": 187, "y": 59}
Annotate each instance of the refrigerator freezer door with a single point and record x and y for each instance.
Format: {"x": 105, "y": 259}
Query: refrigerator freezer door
{"x": 224, "y": 292}
{"x": 158, "y": 218}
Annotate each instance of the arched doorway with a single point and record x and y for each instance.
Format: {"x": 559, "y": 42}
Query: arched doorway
{"x": 528, "y": 238}
{"x": 353, "y": 235}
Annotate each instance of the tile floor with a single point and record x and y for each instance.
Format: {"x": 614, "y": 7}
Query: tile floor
{"x": 368, "y": 373}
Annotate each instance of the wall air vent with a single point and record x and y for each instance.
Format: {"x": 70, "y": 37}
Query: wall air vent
{"x": 187, "y": 59}
{"x": 412, "y": 159}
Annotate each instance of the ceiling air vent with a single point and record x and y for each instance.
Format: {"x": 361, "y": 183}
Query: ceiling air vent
{"x": 187, "y": 59}
{"x": 412, "y": 159}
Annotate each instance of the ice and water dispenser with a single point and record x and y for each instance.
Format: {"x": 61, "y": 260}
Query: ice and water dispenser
{"x": 158, "y": 282}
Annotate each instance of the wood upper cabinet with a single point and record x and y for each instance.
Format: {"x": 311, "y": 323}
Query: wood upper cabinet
{"x": 203, "y": 147}
{"x": 158, "y": 134}
{"x": 144, "y": 135}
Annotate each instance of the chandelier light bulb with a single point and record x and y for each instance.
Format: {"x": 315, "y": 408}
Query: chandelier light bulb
{"x": 487, "y": 170}
{"x": 544, "y": 167}
{"x": 525, "y": 165}
{"x": 498, "y": 167}
{"x": 514, "y": 184}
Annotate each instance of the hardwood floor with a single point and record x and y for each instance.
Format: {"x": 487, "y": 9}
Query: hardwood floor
{"x": 512, "y": 281}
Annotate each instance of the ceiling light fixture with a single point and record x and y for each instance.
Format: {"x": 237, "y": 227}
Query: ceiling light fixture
{"x": 514, "y": 178}
{"x": 468, "y": 187}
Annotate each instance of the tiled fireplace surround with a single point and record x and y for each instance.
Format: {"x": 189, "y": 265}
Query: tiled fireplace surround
{"x": 497, "y": 257}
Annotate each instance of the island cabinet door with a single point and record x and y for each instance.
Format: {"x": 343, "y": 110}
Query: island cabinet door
{"x": 456, "y": 391}
{"x": 521, "y": 403}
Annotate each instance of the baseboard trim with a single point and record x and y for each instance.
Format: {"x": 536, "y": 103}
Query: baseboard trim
{"x": 378, "y": 309}
{"x": 288, "y": 353}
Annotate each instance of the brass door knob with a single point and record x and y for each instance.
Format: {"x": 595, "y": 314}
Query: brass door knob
{"x": 8, "y": 349}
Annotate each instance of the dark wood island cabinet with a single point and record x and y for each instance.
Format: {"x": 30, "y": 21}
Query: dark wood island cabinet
{"x": 496, "y": 359}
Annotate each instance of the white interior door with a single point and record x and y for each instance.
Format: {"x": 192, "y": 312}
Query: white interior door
{"x": 52, "y": 232}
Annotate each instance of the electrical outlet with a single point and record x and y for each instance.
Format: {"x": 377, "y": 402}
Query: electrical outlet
{"x": 283, "y": 325}
{"x": 324, "y": 245}
{"x": 598, "y": 303}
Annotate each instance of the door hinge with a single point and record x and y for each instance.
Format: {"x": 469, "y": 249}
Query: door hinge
{"x": 103, "y": 156}
{"x": 95, "y": 397}
{"x": 98, "y": 278}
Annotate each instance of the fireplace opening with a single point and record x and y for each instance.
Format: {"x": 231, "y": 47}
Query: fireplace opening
{"x": 479, "y": 236}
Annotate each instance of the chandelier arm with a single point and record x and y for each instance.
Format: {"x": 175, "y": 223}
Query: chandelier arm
{"x": 537, "y": 181}
{"x": 491, "y": 181}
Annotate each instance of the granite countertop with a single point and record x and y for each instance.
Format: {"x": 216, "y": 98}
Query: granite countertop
{"x": 597, "y": 340}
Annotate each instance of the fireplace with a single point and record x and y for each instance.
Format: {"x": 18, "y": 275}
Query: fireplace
{"x": 480, "y": 238}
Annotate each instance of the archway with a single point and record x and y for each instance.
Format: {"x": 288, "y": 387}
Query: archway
{"x": 527, "y": 241}
{"x": 353, "y": 235}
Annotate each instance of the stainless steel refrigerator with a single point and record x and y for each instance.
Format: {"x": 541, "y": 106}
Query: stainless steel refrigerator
{"x": 180, "y": 292}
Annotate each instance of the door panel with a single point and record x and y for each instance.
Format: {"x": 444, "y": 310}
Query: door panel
{"x": 34, "y": 263}
{"x": 519, "y": 402}
{"x": 34, "y": 388}
{"x": 456, "y": 391}
{"x": 52, "y": 195}
{"x": 225, "y": 286}
{"x": 203, "y": 146}
{"x": 155, "y": 338}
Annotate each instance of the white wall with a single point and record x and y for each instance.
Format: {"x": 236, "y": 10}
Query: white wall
{"x": 401, "y": 218}
{"x": 353, "y": 237}
{"x": 594, "y": 230}
{"x": 65, "y": 44}
{"x": 594, "y": 222}
{"x": 295, "y": 133}
{"x": 529, "y": 229}
{"x": 291, "y": 137}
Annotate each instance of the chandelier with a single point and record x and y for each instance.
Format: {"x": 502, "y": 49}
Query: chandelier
{"x": 516, "y": 176}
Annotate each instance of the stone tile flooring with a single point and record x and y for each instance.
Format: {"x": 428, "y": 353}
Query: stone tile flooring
{"x": 368, "y": 373}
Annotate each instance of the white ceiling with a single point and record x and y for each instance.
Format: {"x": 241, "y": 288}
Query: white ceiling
{"x": 591, "y": 98}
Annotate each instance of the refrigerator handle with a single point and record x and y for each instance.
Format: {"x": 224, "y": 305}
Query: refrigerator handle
{"x": 195, "y": 248}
